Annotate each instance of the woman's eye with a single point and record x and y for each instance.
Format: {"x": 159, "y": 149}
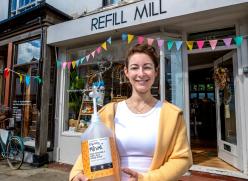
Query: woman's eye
{"x": 133, "y": 68}
{"x": 147, "y": 68}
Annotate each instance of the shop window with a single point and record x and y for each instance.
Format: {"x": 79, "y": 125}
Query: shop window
{"x": 28, "y": 52}
{"x": 19, "y": 6}
{"x": 25, "y": 96}
{"x": 174, "y": 77}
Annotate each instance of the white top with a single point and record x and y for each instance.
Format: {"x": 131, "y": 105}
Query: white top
{"x": 136, "y": 136}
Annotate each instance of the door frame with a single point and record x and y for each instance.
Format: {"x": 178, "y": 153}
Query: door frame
{"x": 235, "y": 157}
{"x": 185, "y": 54}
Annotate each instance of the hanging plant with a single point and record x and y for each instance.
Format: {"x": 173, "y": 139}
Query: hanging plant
{"x": 221, "y": 77}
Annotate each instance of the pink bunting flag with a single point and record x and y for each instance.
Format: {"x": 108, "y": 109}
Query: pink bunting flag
{"x": 69, "y": 65}
{"x": 140, "y": 39}
{"x": 87, "y": 57}
{"x": 213, "y": 43}
{"x": 64, "y": 65}
{"x": 200, "y": 44}
{"x": 227, "y": 41}
{"x": 160, "y": 43}
{"x": 93, "y": 53}
{"x": 150, "y": 41}
{"x": 98, "y": 50}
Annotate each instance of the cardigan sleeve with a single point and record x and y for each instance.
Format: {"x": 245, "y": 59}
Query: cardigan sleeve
{"x": 77, "y": 168}
{"x": 179, "y": 160}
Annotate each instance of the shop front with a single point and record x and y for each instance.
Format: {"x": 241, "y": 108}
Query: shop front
{"x": 97, "y": 53}
{"x": 27, "y": 79}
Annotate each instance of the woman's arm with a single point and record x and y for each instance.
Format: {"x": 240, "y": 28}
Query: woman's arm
{"x": 179, "y": 160}
{"x": 77, "y": 168}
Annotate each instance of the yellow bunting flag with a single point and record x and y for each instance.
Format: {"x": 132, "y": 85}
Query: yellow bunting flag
{"x": 129, "y": 38}
{"x": 190, "y": 44}
{"x": 20, "y": 78}
{"x": 104, "y": 45}
{"x": 73, "y": 64}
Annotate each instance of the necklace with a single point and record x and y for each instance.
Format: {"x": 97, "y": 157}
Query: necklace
{"x": 136, "y": 109}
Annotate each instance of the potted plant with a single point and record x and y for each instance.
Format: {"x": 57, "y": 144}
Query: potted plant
{"x": 75, "y": 94}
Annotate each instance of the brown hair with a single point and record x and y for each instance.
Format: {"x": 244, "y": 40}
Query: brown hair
{"x": 146, "y": 49}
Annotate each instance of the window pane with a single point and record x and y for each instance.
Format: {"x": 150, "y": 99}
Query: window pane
{"x": 201, "y": 87}
{"x": 28, "y": 52}
{"x": 13, "y": 5}
{"x": 24, "y": 102}
{"x": 21, "y": 3}
{"x": 173, "y": 77}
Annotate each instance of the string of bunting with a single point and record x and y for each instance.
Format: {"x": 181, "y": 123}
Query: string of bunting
{"x": 228, "y": 41}
{"x": 22, "y": 77}
{"x": 90, "y": 56}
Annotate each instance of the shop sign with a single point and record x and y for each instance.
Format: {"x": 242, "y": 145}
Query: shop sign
{"x": 139, "y": 12}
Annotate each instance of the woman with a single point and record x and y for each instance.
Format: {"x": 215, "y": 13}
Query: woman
{"x": 151, "y": 135}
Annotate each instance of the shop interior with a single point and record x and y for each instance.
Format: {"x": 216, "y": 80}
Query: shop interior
{"x": 203, "y": 122}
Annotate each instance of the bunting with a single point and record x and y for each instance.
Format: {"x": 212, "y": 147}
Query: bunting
{"x": 27, "y": 77}
{"x": 160, "y": 43}
{"x": 128, "y": 38}
{"x": 140, "y": 39}
{"x": 170, "y": 44}
{"x": 200, "y": 44}
{"x": 150, "y": 41}
{"x": 178, "y": 45}
{"x": 190, "y": 44}
{"x": 213, "y": 43}
{"x": 104, "y": 46}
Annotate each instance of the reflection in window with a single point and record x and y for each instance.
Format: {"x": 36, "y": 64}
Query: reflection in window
{"x": 18, "y": 6}
{"x": 173, "y": 78}
{"x": 210, "y": 95}
{"x": 201, "y": 95}
{"x": 210, "y": 87}
{"x": 28, "y": 52}
{"x": 193, "y": 96}
{"x": 201, "y": 87}
{"x": 24, "y": 102}
{"x": 108, "y": 2}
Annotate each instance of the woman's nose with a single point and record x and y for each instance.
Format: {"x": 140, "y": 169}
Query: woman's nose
{"x": 141, "y": 71}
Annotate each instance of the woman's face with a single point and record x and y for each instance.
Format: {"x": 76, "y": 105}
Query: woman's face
{"x": 141, "y": 72}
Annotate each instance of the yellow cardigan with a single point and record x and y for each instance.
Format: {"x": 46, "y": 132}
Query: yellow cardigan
{"x": 172, "y": 156}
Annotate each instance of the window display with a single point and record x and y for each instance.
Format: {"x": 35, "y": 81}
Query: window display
{"x": 108, "y": 68}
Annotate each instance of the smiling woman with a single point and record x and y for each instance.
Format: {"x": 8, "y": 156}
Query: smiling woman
{"x": 145, "y": 155}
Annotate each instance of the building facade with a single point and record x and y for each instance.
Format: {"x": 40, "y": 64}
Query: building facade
{"x": 216, "y": 116}
{"x": 28, "y": 79}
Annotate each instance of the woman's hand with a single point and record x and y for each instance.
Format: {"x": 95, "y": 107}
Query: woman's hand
{"x": 133, "y": 174}
{"x": 80, "y": 177}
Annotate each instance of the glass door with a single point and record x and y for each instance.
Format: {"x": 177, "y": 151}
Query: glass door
{"x": 226, "y": 109}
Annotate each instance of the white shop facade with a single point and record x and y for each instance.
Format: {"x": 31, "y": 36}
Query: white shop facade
{"x": 216, "y": 117}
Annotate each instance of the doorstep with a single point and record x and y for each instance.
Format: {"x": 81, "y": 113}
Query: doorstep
{"x": 203, "y": 176}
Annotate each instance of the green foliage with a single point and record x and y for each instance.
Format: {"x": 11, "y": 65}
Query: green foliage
{"x": 75, "y": 98}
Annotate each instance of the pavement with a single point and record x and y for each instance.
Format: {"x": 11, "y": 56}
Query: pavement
{"x": 60, "y": 172}
{"x": 29, "y": 173}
